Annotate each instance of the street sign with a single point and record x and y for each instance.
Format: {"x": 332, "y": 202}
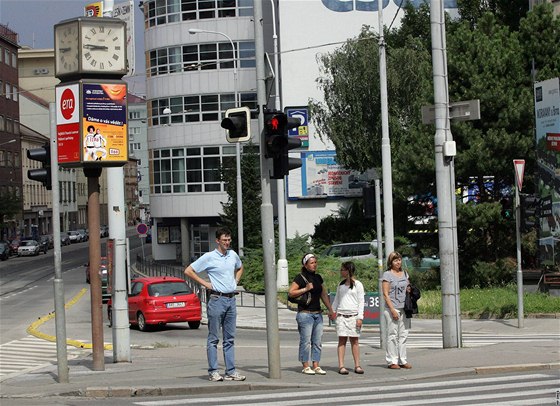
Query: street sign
{"x": 519, "y": 165}
{"x": 142, "y": 229}
{"x": 459, "y": 111}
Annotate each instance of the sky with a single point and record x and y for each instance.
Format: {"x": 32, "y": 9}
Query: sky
{"x": 34, "y": 20}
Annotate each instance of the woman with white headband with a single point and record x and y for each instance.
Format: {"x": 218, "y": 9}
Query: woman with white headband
{"x": 310, "y": 317}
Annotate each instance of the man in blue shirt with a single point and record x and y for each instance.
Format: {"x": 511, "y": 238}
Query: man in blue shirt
{"x": 224, "y": 269}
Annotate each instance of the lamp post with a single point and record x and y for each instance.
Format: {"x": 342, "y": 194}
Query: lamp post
{"x": 8, "y": 142}
{"x": 237, "y": 146}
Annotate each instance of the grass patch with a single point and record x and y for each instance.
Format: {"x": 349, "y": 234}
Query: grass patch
{"x": 491, "y": 302}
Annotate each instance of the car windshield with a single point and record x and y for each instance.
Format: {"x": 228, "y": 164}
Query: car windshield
{"x": 27, "y": 243}
{"x": 169, "y": 289}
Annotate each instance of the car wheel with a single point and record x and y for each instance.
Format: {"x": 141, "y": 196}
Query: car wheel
{"x": 194, "y": 325}
{"x": 142, "y": 326}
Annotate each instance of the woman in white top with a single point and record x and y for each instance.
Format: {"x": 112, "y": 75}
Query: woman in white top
{"x": 349, "y": 309}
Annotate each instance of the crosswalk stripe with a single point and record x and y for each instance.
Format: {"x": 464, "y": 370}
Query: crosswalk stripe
{"x": 28, "y": 354}
{"x": 446, "y": 392}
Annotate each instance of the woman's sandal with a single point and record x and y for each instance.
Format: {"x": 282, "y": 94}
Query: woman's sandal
{"x": 343, "y": 371}
{"x": 358, "y": 370}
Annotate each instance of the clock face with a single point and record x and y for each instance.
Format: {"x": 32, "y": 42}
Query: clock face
{"x": 66, "y": 47}
{"x": 103, "y": 46}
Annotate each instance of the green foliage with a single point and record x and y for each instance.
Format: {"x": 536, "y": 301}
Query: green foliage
{"x": 490, "y": 302}
{"x": 348, "y": 225}
{"x": 490, "y": 51}
{"x": 10, "y": 205}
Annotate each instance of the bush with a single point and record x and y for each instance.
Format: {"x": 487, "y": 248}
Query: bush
{"x": 488, "y": 274}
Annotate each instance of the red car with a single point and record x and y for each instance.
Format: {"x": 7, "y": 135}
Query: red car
{"x": 161, "y": 300}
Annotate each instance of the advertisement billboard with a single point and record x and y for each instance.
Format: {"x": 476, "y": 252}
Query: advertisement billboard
{"x": 104, "y": 123}
{"x": 68, "y": 123}
{"x": 91, "y": 123}
{"x": 547, "y": 124}
{"x": 320, "y": 176}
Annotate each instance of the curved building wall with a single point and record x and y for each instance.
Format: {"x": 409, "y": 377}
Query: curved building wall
{"x": 189, "y": 86}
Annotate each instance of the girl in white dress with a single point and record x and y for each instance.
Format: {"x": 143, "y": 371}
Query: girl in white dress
{"x": 349, "y": 309}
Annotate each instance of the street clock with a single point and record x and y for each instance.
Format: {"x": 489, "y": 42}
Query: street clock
{"x": 90, "y": 46}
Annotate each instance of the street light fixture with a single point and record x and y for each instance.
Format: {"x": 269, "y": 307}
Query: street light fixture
{"x": 8, "y": 142}
{"x": 237, "y": 147}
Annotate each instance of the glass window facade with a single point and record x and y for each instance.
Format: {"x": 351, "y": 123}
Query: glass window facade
{"x": 209, "y": 56}
{"x": 190, "y": 169}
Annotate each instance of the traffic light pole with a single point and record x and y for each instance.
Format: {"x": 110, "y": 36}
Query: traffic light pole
{"x": 59, "y": 310}
{"x": 267, "y": 226}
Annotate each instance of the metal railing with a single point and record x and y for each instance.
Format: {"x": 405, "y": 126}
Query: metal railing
{"x": 149, "y": 267}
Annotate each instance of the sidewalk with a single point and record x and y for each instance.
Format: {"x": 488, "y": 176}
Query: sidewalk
{"x": 182, "y": 369}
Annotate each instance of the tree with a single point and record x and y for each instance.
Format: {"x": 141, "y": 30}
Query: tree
{"x": 10, "y": 205}
{"x": 250, "y": 164}
{"x": 488, "y": 59}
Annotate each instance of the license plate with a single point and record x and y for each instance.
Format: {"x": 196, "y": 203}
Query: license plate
{"x": 174, "y": 305}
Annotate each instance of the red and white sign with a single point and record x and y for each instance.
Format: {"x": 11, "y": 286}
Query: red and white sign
{"x": 519, "y": 165}
{"x": 553, "y": 142}
{"x": 68, "y": 123}
{"x": 142, "y": 229}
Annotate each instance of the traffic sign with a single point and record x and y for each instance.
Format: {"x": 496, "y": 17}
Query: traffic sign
{"x": 142, "y": 229}
{"x": 519, "y": 165}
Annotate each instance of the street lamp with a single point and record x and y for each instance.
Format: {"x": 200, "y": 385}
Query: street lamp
{"x": 8, "y": 142}
{"x": 237, "y": 147}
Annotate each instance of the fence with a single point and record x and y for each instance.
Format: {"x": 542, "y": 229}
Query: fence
{"x": 150, "y": 267}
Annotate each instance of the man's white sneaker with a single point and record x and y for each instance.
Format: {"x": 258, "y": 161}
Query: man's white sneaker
{"x": 215, "y": 377}
{"x": 234, "y": 377}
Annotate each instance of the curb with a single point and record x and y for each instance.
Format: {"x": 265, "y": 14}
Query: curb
{"x": 209, "y": 388}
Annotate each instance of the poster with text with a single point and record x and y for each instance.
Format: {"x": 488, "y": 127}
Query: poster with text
{"x": 320, "y": 176}
{"x": 68, "y": 124}
{"x": 104, "y": 124}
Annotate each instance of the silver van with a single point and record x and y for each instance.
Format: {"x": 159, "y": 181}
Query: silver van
{"x": 353, "y": 250}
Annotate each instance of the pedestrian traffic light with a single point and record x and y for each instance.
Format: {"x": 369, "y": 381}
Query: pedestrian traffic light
{"x": 369, "y": 201}
{"x": 278, "y": 143}
{"x": 42, "y": 155}
{"x": 507, "y": 207}
{"x": 529, "y": 212}
{"x": 237, "y": 122}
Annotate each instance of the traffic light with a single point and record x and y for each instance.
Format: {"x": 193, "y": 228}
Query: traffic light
{"x": 529, "y": 212}
{"x": 237, "y": 122}
{"x": 278, "y": 143}
{"x": 42, "y": 155}
{"x": 507, "y": 207}
{"x": 369, "y": 201}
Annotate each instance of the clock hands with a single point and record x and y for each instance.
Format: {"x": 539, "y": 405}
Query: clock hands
{"x": 96, "y": 47}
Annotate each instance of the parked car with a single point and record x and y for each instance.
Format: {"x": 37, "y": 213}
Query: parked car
{"x": 421, "y": 264}
{"x": 353, "y": 250}
{"x": 29, "y": 247}
{"x": 64, "y": 239}
{"x": 4, "y": 250}
{"x": 84, "y": 233}
{"x": 74, "y": 236}
{"x": 161, "y": 300}
{"x": 104, "y": 274}
{"x": 14, "y": 245}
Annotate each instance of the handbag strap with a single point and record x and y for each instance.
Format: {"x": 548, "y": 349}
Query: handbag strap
{"x": 305, "y": 280}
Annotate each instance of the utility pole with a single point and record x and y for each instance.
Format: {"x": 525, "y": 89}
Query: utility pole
{"x": 267, "y": 226}
{"x": 385, "y": 142}
{"x": 282, "y": 267}
{"x": 59, "y": 310}
{"x": 445, "y": 182}
{"x": 117, "y": 232}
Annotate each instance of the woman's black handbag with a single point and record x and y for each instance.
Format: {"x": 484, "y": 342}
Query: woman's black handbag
{"x": 303, "y": 299}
